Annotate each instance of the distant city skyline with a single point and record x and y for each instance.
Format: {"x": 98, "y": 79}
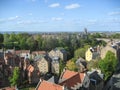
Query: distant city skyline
{"x": 59, "y": 15}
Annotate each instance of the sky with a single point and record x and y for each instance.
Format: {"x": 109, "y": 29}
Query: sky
{"x": 59, "y": 15}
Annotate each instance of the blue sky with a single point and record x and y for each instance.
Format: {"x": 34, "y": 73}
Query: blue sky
{"x": 59, "y": 15}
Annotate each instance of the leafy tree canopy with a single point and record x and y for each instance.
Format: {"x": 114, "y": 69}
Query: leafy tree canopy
{"x": 14, "y": 79}
{"x": 108, "y": 64}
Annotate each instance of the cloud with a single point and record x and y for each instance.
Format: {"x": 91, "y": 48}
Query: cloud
{"x": 114, "y": 13}
{"x": 57, "y": 18}
{"x": 72, "y": 6}
{"x": 3, "y": 20}
{"x": 13, "y": 18}
{"x": 54, "y": 5}
{"x": 27, "y": 22}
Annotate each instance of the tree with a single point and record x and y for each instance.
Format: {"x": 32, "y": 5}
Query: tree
{"x": 71, "y": 65}
{"x": 108, "y": 64}
{"x": 14, "y": 79}
{"x": 62, "y": 65}
{"x": 1, "y": 38}
{"x": 81, "y": 52}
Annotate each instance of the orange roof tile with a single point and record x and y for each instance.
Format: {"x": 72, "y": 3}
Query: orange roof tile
{"x": 30, "y": 68}
{"x": 22, "y": 51}
{"x": 71, "y": 78}
{"x": 44, "y": 85}
{"x": 68, "y": 74}
{"x": 74, "y": 80}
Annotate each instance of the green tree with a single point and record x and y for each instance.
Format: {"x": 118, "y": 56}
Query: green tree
{"x": 62, "y": 65}
{"x": 71, "y": 65}
{"x": 81, "y": 52}
{"x": 108, "y": 64}
{"x": 14, "y": 79}
{"x": 1, "y": 38}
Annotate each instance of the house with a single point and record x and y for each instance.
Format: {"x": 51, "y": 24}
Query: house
{"x": 9, "y": 59}
{"x": 107, "y": 48}
{"x": 96, "y": 80}
{"x": 23, "y": 53}
{"x": 55, "y": 65}
{"x": 33, "y": 74}
{"x": 91, "y": 54}
{"x": 81, "y": 65}
{"x": 26, "y": 63}
{"x": 43, "y": 64}
{"x": 58, "y": 52}
{"x": 45, "y": 85}
{"x": 74, "y": 80}
{"x": 36, "y": 53}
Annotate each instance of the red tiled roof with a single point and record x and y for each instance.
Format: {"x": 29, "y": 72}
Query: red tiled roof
{"x": 68, "y": 74}
{"x": 44, "y": 85}
{"x": 22, "y": 51}
{"x": 30, "y": 68}
{"x": 74, "y": 80}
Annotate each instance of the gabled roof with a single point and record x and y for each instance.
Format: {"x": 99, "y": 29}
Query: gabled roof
{"x": 95, "y": 76}
{"x": 30, "y": 68}
{"x": 52, "y": 79}
{"x": 82, "y": 61}
{"x": 22, "y": 51}
{"x": 74, "y": 80}
{"x": 67, "y": 74}
{"x": 39, "y": 58}
{"x": 44, "y": 85}
{"x": 39, "y": 52}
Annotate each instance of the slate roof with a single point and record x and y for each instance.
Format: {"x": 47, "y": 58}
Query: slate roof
{"x": 81, "y": 60}
{"x": 95, "y": 76}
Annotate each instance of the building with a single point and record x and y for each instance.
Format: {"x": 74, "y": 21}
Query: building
{"x": 96, "y": 80}
{"x": 58, "y": 52}
{"x": 91, "y": 54}
{"x": 55, "y": 65}
{"x": 45, "y": 85}
{"x": 81, "y": 65}
{"x": 43, "y": 64}
{"x": 37, "y": 53}
{"x": 23, "y": 53}
{"x": 74, "y": 80}
{"x": 33, "y": 74}
{"x": 105, "y": 49}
